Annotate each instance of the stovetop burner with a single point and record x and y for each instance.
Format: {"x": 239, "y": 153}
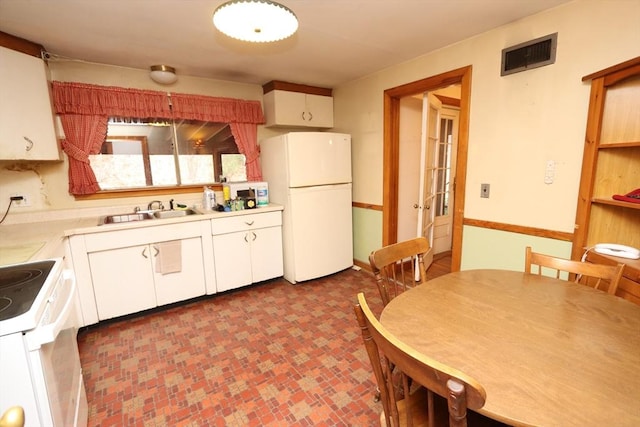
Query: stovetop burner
{"x": 19, "y": 286}
{"x": 16, "y": 277}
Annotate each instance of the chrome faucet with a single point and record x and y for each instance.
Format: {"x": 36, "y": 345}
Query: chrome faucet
{"x": 160, "y": 205}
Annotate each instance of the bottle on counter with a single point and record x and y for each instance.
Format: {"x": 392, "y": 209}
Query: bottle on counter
{"x": 262, "y": 194}
{"x": 208, "y": 199}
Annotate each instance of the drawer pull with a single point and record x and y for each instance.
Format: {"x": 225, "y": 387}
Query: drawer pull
{"x": 249, "y": 223}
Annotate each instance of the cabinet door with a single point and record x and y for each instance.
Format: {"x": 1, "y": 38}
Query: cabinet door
{"x": 232, "y": 253}
{"x": 290, "y": 108}
{"x": 319, "y": 111}
{"x": 297, "y": 109}
{"x": 122, "y": 281}
{"x": 26, "y": 116}
{"x": 185, "y": 284}
{"x": 266, "y": 253}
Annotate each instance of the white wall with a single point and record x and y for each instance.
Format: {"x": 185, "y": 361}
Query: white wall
{"x": 517, "y": 122}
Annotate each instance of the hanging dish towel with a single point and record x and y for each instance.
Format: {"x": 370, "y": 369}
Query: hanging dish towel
{"x": 169, "y": 259}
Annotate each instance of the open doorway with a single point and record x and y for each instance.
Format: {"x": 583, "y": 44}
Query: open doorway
{"x": 429, "y": 215}
{"x": 392, "y": 161}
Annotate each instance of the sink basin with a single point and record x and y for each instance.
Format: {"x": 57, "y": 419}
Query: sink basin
{"x": 128, "y": 217}
{"x": 174, "y": 213}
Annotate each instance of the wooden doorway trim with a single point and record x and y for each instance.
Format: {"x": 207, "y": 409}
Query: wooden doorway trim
{"x": 461, "y": 76}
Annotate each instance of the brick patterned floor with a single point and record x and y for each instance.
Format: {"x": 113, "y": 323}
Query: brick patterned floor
{"x": 273, "y": 354}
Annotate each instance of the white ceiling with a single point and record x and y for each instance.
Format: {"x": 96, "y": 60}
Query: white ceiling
{"x": 338, "y": 40}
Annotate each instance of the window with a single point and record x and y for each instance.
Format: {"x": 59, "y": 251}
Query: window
{"x": 445, "y": 142}
{"x": 140, "y": 153}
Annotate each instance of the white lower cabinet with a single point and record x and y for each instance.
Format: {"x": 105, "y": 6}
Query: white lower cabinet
{"x": 188, "y": 283}
{"x": 136, "y": 285}
{"x": 119, "y": 270}
{"x": 247, "y": 249}
{"x": 122, "y": 281}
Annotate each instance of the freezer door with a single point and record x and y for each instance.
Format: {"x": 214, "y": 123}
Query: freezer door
{"x": 318, "y": 158}
{"x": 321, "y": 232}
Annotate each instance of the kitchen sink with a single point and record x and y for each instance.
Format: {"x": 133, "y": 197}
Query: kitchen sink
{"x": 128, "y": 217}
{"x": 174, "y": 213}
{"x": 145, "y": 215}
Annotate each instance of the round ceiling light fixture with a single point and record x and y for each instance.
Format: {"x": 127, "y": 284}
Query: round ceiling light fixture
{"x": 258, "y": 21}
{"x": 163, "y": 74}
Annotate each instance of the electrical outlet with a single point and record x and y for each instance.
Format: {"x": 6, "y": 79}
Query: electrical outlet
{"x": 484, "y": 191}
{"x": 24, "y": 203}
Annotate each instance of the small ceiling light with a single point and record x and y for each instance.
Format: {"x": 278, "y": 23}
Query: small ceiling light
{"x": 256, "y": 21}
{"x": 163, "y": 74}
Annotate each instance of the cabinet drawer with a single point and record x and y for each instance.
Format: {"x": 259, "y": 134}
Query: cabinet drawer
{"x": 141, "y": 236}
{"x": 245, "y": 222}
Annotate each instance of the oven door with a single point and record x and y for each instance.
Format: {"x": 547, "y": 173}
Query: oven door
{"x": 55, "y": 360}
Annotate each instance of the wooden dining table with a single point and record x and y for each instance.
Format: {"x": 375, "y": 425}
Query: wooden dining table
{"x": 548, "y": 352}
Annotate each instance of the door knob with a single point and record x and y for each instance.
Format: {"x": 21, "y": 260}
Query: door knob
{"x": 13, "y": 417}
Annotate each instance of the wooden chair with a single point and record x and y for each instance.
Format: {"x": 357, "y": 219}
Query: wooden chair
{"x": 421, "y": 408}
{"x": 598, "y": 276}
{"x": 394, "y": 267}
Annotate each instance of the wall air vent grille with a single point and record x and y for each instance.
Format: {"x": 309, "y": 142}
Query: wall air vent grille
{"x": 532, "y": 54}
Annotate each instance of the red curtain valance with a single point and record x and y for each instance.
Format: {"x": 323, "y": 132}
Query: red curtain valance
{"x": 81, "y": 98}
{"x": 86, "y": 99}
{"x": 221, "y": 110}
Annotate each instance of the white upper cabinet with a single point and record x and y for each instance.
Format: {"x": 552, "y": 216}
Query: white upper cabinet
{"x": 291, "y": 105}
{"x": 26, "y": 116}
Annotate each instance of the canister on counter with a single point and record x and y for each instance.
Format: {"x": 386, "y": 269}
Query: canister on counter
{"x": 226, "y": 191}
{"x": 262, "y": 194}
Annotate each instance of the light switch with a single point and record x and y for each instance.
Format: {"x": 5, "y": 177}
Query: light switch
{"x": 550, "y": 172}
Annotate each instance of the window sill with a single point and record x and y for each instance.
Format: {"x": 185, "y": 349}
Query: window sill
{"x": 140, "y": 192}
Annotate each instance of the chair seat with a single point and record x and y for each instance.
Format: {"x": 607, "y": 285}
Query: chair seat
{"x": 417, "y": 404}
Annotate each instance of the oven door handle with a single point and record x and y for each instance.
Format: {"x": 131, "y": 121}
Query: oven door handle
{"x": 46, "y": 334}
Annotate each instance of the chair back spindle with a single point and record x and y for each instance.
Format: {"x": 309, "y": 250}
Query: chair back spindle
{"x": 399, "y": 267}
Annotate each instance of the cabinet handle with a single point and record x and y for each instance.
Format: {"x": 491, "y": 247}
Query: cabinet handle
{"x": 303, "y": 117}
{"x": 310, "y": 116}
{"x": 254, "y": 236}
{"x": 29, "y": 143}
{"x": 144, "y": 252}
{"x": 249, "y": 223}
{"x": 245, "y": 238}
{"x": 157, "y": 251}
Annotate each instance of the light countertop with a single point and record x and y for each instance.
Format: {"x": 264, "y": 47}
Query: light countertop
{"x": 31, "y": 241}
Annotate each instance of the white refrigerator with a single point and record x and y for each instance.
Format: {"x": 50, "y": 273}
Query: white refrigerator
{"x": 309, "y": 173}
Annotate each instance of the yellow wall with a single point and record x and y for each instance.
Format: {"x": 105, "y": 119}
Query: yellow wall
{"x": 47, "y": 182}
{"x": 517, "y": 122}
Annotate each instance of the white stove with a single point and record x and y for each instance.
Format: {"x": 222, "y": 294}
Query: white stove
{"x": 39, "y": 361}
